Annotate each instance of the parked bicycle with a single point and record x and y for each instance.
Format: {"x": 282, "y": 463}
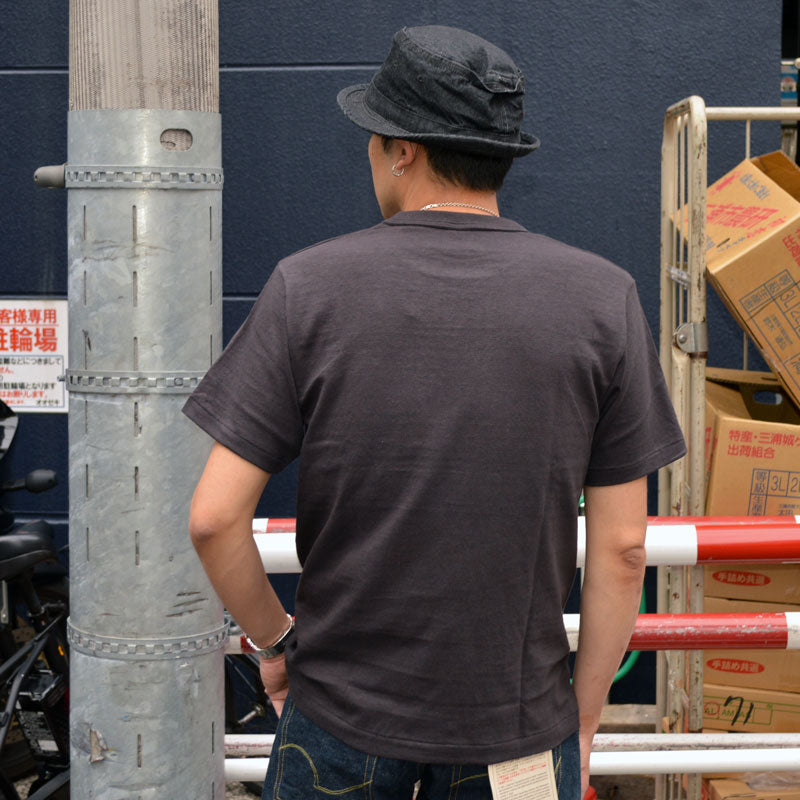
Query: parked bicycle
{"x": 34, "y": 673}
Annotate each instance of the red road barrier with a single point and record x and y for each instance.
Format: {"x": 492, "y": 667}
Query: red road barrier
{"x": 716, "y": 631}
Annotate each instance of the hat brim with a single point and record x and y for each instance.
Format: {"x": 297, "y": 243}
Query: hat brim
{"x": 351, "y": 101}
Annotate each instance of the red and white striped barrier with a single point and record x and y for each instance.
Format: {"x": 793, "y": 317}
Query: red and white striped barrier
{"x": 778, "y": 631}
{"x": 731, "y": 539}
{"x": 275, "y": 539}
{"x": 695, "y": 540}
{"x": 275, "y": 525}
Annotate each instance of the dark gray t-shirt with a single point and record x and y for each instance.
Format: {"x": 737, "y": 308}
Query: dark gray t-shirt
{"x": 450, "y": 382}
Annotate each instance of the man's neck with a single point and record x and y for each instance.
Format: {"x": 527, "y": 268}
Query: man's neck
{"x": 437, "y": 197}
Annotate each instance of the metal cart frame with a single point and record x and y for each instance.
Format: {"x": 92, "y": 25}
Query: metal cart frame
{"x": 684, "y": 352}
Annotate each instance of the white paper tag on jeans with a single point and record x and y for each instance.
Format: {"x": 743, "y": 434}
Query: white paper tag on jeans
{"x": 531, "y": 778}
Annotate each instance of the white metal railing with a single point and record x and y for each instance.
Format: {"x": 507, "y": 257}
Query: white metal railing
{"x": 239, "y": 744}
{"x": 612, "y": 754}
{"x": 692, "y": 541}
{"x": 628, "y": 762}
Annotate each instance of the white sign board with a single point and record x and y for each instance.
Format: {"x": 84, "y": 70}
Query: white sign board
{"x": 33, "y": 354}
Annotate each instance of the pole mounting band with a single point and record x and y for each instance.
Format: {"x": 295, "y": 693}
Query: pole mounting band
{"x": 159, "y": 649}
{"x": 82, "y": 381}
{"x": 142, "y": 177}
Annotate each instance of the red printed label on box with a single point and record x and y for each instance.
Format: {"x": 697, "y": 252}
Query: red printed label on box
{"x": 739, "y": 666}
{"x": 741, "y": 578}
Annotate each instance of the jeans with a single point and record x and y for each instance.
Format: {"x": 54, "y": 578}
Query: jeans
{"x": 309, "y": 763}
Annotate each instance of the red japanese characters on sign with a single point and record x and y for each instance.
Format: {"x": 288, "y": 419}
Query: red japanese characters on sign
{"x": 33, "y": 354}
{"x": 25, "y": 330}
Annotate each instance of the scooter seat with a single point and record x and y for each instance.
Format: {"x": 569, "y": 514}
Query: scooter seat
{"x": 23, "y": 548}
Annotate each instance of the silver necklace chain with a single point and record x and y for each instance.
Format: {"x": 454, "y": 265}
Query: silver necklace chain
{"x": 461, "y": 205}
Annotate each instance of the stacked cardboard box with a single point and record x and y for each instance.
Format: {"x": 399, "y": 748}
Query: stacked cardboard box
{"x": 753, "y": 468}
{"x": 732, "y": 789}
{"x": 753, "y": 257}
{"x": 750, "y": 690}
{"x": 752, "y": 669}
{"x": 753, "y": 452}
{"x": 753, "y": 439}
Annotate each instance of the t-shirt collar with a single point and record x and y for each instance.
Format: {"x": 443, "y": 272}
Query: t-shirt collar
{"x": 453, "y": 220}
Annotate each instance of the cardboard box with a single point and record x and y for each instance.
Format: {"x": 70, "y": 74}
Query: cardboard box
{"x": 756, "y": 669}
{"x": 753, "y": 457}
{"x": 753, "y": 257}
{"x": 759, "y": 669}
{"x": 737, "y": 708}
{"x": 753, "y": 464}
{"x": 724, "y": 605}
{"x": 770, "y": 583}
{"x": 732, "y": 789}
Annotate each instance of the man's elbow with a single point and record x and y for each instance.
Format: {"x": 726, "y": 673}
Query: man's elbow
{"x": 206, "y": 524}
{"x": 202, "y": 529}
{"x": 632, "y": 561}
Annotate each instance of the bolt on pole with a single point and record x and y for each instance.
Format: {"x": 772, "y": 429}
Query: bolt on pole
{"x": 145, "y": 303}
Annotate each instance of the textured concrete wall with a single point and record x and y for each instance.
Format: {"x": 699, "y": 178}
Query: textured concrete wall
{"x": 600, "y": 75}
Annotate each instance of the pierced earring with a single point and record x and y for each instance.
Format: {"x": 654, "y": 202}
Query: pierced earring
{"x": 398, "y": 172}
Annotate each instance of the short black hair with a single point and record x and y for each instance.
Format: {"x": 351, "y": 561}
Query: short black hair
{"x": 480, "y": 173}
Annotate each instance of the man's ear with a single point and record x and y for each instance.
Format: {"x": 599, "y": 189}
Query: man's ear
{"x": 406, "y": 153}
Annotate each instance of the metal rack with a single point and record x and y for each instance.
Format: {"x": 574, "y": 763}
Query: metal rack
{"x": 684, "y": 351}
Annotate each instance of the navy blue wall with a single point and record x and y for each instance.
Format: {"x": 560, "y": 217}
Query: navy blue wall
{"x": 600, "y": 75}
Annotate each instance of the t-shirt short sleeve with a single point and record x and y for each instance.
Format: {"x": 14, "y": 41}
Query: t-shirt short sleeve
{"x": 247, "y": 401}
{"x": 637, "y": 431}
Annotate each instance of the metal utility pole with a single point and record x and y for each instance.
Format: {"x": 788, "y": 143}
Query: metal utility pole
{"x": 145, "y": 302}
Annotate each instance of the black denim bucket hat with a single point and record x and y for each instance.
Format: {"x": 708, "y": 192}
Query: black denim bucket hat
{"x": 445, "y": 86}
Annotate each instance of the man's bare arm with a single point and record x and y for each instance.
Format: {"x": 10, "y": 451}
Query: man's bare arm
{"x": 616, "y": 524}
{"x": 221, "y": 527}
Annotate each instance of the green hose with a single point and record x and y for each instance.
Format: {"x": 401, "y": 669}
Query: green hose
{"x": 633, "y": 657}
